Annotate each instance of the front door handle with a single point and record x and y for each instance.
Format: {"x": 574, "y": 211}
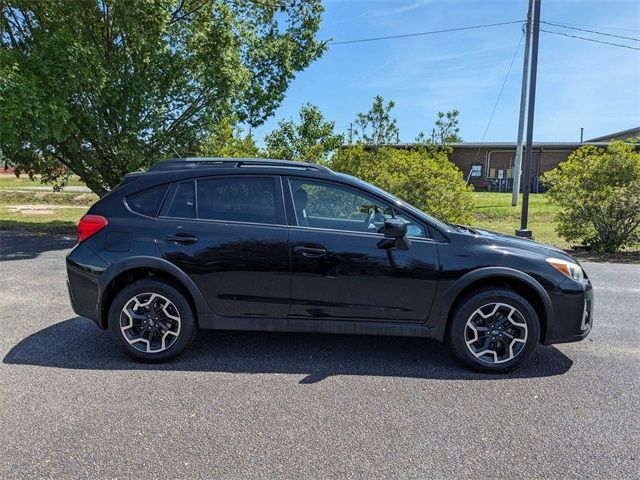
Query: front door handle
{"x": 183, "y": 237}
{"x": 311, "y": 252}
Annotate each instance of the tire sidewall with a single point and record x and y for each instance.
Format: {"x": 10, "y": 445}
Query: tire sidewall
{"x": 475, "y": 301}
{"x": 187, "y": 326}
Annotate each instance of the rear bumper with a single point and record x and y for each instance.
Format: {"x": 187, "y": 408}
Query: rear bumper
{"x": 572, "y": 313}
{"x": 84, "y": 269}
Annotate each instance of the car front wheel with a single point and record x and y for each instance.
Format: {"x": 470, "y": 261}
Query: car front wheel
{"x": 151, "y": 321}
{"x": 494, "y": 330}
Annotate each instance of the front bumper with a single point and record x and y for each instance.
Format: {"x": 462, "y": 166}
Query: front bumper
{"x": 572, "y": 313}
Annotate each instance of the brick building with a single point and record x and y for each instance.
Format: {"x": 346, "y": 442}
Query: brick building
{"x": 489, "y": 165}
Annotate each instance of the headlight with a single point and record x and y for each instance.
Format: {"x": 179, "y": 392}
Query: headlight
{"x": 570, "y": 269}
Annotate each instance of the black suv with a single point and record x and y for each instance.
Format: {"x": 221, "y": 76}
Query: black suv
{"x": 285, "y": 246}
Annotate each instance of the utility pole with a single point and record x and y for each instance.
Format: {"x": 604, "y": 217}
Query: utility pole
{"x": 581, "y": 134}
{"x": 351, "y": 133}
{"x": 523, "y": 231}
{"x": 517, "y": 168}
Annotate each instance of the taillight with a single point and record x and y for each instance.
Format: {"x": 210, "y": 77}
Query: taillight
{"x": 90, "y": 225}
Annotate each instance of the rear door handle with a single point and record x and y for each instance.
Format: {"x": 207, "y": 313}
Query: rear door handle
{"x": 311, "y": 252}
{"x": 183, "y": 237}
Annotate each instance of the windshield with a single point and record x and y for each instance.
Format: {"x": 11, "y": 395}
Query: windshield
{"x": 393, "y": 198}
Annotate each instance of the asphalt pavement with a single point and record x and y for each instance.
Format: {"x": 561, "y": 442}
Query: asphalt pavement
{"x": 267, "y": 405}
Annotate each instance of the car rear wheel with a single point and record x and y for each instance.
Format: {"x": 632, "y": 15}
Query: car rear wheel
{"x": 494, "y": 330}
{"x": 151, "y": 321}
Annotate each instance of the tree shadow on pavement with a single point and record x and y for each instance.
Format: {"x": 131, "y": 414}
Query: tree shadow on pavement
{"x": 23, "y": 245}
{"x": 77, "y": 343}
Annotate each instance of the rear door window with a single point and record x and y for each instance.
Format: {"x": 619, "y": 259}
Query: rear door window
{"x": 237, "y": 199}
{"x": 183, "y": 204}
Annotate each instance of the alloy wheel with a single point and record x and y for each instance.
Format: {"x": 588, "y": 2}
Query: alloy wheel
{"x": 150, "y": 322}
{"x": 496, "y": 333}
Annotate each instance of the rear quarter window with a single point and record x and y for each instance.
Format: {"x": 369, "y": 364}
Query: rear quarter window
{"x": 147, "y": 202}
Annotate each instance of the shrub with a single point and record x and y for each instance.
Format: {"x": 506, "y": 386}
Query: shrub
{"x": 425, "y": 178}
{"x": 598, "y": 192}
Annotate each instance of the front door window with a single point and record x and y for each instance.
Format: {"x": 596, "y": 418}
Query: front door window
{"x": 338, "y": 207}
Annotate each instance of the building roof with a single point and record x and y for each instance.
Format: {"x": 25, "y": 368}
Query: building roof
{"x": 597, "y": 142}
{"x": 622, "y": 135}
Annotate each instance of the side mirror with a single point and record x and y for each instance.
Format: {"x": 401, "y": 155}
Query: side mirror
{"x": 394, "y": 228}
{"x": 397, "y": 230}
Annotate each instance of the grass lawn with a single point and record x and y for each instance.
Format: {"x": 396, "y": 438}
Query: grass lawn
{"x": 54, "y": 211}
{"x": 493, "y": 211}
{"x": 10, "y": 181}
{"x": 43, "y": 211}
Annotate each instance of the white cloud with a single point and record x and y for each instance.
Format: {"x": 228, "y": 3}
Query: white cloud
{"x": 403, "y": 9}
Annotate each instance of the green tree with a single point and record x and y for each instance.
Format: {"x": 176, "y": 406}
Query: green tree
{"x": 104, "y": 87}
{"x": 229, "y": 140}
{"x": 446, "y": 130}
{"x": 377, "y": 126}
{"x": 425, "y": 177}
{"x": 598, "y": 191}
{"x": 312, "y": 140}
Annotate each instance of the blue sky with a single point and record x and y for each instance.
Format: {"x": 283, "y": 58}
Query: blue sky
{"x": 580, "y": 84}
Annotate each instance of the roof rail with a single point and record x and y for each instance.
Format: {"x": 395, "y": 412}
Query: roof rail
{"x": 185, "y": 163}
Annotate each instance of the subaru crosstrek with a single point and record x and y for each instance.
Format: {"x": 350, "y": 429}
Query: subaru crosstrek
{"x": 249, "y": 244}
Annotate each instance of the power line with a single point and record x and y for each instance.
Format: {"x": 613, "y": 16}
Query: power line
{"x": 602, "y": 27}
{"x": 495, "y": 105}
{"x": 432, "y": 32}
{"x": 591, "y": 31}
{"x": 591, "y": 39}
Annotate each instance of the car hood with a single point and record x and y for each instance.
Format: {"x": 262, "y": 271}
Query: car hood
{"x": 511, "y": 241}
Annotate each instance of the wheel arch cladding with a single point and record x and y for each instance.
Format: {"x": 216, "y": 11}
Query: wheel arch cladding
{"x": 121, "y": 275}
{"x": 498, "y": 277}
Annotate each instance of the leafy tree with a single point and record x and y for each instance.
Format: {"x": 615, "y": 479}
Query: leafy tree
{"x": 598, "y": 191}
{"x": 228, "y": 140}
{"x": 312, "y": 140}
{"x": 377, "y": 126}
{"x": 425, "y": 177}
{"x": 103, "y": 87}
{"x": 446, "y": 130}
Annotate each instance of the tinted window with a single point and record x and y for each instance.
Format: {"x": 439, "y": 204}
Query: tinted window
{"x": 147, "y": 202}
{"x": 337, "y": 207}
{"x": 237, "y": 199}
{"x": 183, "y": 204}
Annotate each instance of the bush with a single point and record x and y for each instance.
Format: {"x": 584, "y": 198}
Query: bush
{"x": 598, "y": 192}
{"x": 425, "y": 178}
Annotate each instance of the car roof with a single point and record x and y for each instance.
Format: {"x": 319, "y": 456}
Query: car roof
{"x": 179, "y": 169}
{"x": 182, "y": 169}
{"x": 219, "y": 162}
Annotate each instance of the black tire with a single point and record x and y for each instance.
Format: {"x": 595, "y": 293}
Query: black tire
{"x": 186, "y": 330}
{"x": 458, "y": 334}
